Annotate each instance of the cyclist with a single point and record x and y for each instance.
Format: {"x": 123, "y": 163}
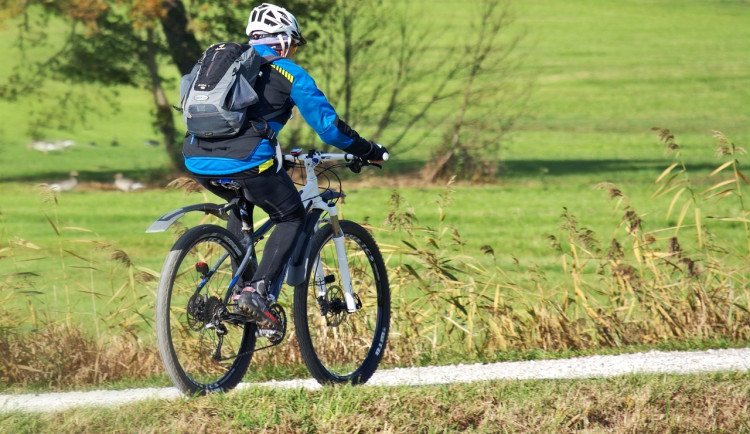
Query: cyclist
{"x": 252, "y": 158}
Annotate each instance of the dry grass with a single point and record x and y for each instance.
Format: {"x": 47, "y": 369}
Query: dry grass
{"x": 54, "y": 345}
{"x": 60, "y": 356}
{"x": 669, "y": 284}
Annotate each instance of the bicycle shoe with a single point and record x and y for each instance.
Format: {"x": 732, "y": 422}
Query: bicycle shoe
{"x": 251, "y": 304}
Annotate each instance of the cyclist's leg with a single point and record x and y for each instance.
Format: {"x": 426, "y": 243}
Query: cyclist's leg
{"x": 234, "y": 225}
{"x": 276, "y": 194}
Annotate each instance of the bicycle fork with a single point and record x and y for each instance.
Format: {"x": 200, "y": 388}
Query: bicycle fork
{"x": 343, "y": 264}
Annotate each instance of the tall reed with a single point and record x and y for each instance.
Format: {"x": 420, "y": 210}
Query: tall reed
{"x": 57, "y": 341}
{"x": 648, "y": 286}
{"x": 641, "y": 287}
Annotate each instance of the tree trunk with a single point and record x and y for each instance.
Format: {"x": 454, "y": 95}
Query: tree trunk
{"x": 164, "y": 120}
{"x": 183, "y": 46}
{"x": 185, "y": 51}
{"x": 347, "y": 28}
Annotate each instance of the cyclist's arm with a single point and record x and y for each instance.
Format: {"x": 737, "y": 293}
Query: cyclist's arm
{"x": 320, "y": 114}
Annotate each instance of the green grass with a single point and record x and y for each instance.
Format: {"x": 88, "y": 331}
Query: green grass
{"x": 606, "y": 74}
{"x": 513, "y": 218}
{"x": 72, "y": 275}
{"x": 700, "y": 403}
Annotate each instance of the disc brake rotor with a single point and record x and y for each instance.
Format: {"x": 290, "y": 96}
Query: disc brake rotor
{"x": 336, "y": 306}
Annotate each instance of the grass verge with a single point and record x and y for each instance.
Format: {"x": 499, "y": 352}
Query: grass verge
{"x": 643, "y": 403}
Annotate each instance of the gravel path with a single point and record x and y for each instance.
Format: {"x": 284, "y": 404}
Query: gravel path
{"x": 653, "y": 362}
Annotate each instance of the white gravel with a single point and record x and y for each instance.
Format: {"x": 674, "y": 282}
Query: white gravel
{"x": 653, "y": 362}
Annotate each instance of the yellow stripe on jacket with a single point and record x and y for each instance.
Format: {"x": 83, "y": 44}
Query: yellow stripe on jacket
{"x": 284, "y": 72}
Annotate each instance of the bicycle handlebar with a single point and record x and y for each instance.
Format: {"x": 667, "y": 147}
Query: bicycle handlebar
{"x": 297, "y": 154}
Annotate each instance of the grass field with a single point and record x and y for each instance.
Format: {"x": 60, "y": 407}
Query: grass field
{"x": 606, "y": 74}
{"x": 602, "y": 76}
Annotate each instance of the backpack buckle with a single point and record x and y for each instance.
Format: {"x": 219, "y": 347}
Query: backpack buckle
{"x": 261, "y": 127}
{"x": 229, "y": 184}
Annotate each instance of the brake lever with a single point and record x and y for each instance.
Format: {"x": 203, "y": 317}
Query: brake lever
{"x": 357, "y": 164}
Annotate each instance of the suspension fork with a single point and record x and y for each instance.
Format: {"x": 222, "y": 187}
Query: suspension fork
{"x": 346, "y": 278}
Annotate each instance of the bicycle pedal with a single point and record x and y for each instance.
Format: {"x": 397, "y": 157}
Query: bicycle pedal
{"x": 271, "y": 334}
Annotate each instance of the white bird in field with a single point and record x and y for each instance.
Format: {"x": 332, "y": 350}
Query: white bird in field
{"x": 42, "y": 146}
{"x": 65, "y": 185}
{"x": 126, "y": 184}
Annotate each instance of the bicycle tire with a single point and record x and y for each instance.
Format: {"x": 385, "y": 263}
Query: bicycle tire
{"x": 339, "y": 347}
{"x": 187, "y": 347}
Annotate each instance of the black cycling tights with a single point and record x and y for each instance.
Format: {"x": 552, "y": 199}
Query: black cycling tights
{"x": 275, "y": 193}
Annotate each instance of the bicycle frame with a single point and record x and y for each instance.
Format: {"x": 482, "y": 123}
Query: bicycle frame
{"x": 315, "y": 203}
{"x": 313, "y": 200}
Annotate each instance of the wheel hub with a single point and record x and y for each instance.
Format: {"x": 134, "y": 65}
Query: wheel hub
{"x": 333, "y": 306}
{"x": 201, "y": 310}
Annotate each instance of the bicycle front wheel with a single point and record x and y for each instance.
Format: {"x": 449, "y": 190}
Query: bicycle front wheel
{"x": 203, "y": 350}
{"x": 336, "y": 345}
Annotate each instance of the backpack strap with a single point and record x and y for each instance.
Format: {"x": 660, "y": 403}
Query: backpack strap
{"x": 265, "y": 60}
{"x": 268, "y": 58}
{"x": 272, "y": 115}
{"x": 261, "y": 126}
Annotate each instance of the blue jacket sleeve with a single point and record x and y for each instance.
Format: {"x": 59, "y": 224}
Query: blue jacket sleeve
{"x": 319, "y": 113}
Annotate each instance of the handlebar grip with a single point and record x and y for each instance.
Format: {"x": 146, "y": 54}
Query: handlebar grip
{"x": 385, "y": 156}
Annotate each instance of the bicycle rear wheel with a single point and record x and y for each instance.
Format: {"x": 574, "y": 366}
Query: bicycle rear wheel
{"x": 338, "y": 346}
{"x": 203, "y": 350}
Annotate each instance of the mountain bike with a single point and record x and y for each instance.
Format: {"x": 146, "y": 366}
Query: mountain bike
{"x": 341, "y": 303}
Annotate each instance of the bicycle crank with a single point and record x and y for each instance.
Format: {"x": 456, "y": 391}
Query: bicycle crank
{"x": 276, "y": 334}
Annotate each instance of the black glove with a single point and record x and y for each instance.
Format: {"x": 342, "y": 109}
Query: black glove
{"x": 375, "y": 153}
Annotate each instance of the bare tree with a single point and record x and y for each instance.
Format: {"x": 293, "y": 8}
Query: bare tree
{"x": 489, "y": 104}
{"x": 389, "y": 82}
{"x": 371, "y": 62}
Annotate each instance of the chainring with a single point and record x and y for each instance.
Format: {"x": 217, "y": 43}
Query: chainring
{"x": 279, "y": 334}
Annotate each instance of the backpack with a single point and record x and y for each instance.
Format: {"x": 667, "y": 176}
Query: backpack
{"x": 215, "y": 95}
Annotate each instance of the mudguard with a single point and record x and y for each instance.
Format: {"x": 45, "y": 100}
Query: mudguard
{"x": 165, "y": 221}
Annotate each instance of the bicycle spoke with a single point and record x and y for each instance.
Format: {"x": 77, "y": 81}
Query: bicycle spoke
{"x": 201, "y": 349}
{"x": 337, "y": 345}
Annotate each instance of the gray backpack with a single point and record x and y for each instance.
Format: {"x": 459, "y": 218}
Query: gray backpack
{"x": 215, "y": 96}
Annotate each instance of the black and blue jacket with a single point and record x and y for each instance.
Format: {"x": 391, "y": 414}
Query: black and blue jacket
{"x": 281, "y": 85}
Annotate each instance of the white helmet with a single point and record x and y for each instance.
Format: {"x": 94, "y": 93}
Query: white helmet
{"x": 273, "y": 20}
